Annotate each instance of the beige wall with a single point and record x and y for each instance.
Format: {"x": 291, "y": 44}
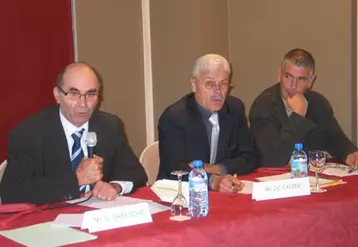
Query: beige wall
{"x": 254, "y": 35}
{"x": 181, "y": 31}
{"x": 263, "y": 31}
{"x": 109, "y": 36}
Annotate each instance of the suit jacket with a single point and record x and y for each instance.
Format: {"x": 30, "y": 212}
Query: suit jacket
{"x": 183, "y": 137}
{"x": 39, "y": 166}
{"x": 275, "y": 133}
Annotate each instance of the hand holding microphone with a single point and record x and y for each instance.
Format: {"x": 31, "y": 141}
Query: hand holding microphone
{"x": 91, "y": 141}
{"x": 90, "y": 170}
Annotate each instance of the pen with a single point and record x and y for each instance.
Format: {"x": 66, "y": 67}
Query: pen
{"x": 351, "y": 170}
{"x": 233, "y": 185}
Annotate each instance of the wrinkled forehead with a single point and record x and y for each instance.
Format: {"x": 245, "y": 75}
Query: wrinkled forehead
{"x": 215, "y": 72}
{"x": 80, "y": 77}
{"x": 296, "y": 70}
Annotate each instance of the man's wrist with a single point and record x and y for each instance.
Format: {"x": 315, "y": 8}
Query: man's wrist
{"x": 117, "y": 187}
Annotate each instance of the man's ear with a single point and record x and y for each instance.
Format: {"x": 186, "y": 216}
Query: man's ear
{"x": 56, "y": 94}
{"x": 312, "y": 80}
{"x": 279, "y": 73}
{"x": 193, "y": 84}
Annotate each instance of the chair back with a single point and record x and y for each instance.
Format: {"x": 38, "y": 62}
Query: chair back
{"x": 2, "y": 169}
{"x": 150, "y": 161}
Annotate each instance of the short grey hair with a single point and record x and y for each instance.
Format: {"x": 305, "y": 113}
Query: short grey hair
{"x": 300, "y": 58}
{"x": 209, "y": 61}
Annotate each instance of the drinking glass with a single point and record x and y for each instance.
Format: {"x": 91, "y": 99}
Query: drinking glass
{"x": 179, "y": 203}
{"x": 317, "y": 161}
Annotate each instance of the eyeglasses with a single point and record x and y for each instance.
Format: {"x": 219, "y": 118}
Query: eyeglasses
{"x": 210, "y": 85}
{"x": 74, "y": 95}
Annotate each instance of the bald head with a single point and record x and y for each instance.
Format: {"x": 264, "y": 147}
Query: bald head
{"x": 75, "y": 68}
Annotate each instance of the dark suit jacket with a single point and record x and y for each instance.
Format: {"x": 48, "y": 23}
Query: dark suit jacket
{"x": 183, "y": 137}
{"x": 39, "y": 166}
{"x": 275, "y": 133}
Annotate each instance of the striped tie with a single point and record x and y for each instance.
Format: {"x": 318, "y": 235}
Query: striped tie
{"x": 77, "y": 152}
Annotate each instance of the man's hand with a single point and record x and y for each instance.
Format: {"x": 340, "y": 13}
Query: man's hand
{"x": 298, "y": 104}
{"x": 352, "y": 160}
{"x": 90, "y": 170}
{"x": 106, "y": 191}
{"x": 227, "y": 183}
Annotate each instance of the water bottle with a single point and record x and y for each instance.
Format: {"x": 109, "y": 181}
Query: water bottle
{"x": 298, "y": 162}
{"x": 198, "y": 191}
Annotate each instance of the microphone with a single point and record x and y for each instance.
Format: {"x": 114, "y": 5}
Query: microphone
{"x": 91, "y": 141}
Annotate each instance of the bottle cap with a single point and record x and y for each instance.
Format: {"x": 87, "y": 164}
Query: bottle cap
{"x": 298, "y": 146}
{"x": 197, "y": 164}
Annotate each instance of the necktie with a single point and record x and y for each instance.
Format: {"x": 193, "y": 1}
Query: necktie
{"x": 214, "y": 120}
{"x": 77, "y": 152}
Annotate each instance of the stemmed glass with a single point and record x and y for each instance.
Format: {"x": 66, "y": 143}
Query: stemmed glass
{"x": 179, "y": 203}
{"x": 317, "y": 161}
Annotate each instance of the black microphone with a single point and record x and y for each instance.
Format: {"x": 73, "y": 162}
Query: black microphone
{"x": 91, "y": 141}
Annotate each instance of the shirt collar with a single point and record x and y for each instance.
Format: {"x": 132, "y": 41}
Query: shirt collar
{"x": 69, "y": 128}
{"x": 204, "y": 112}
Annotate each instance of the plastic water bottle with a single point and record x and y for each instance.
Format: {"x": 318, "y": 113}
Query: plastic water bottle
{"x": 198, "y": 190}
{"x": 298, "y": 162}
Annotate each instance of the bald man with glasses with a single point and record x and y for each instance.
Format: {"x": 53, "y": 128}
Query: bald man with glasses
{"x": 47, "y": 158}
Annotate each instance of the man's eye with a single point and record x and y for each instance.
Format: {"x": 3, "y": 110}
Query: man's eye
{"x": 74, "y": 93}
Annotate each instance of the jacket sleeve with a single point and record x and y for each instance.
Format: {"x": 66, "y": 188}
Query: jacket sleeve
{"x": 275, "y": 140}
{"x": 23, "y": 180}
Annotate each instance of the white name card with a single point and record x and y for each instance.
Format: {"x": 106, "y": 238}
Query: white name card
{"x": 281, "y": 189}
{"x": 115, "y": 217}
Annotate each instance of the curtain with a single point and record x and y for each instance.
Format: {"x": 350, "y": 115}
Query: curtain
{"x": 36, "y": 43}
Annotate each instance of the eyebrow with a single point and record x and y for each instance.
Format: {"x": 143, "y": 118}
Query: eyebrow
{"x": 73, "y": 89}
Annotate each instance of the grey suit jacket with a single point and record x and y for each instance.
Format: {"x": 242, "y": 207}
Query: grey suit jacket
{"x": 183, "y": 137}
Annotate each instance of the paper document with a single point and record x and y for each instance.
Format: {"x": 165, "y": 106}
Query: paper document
{"x": 339, "y": 170}
{"x": 167, "y": 190}
{"x": 247, "y": 188}
{"x": 47, "y": 235}
{"x": 121, "y": 201}
{"x": 323, "y": 182}
{"x": 74, "y": 220}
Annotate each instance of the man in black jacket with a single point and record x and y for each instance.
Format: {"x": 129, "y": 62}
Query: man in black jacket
{"x": 47, "y": 153}
{"x": 207, "y": 125}
{"x": 290, "y": 112}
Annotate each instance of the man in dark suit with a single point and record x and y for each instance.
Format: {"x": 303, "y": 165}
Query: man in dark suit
{"x": 47, "y": 153}
{"x": 188, "y": 132}
{"x": 290, "y": 112}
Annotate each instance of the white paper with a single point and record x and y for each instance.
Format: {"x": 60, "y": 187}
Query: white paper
{"x": 122, "y": 201}
{"x": 339, "y": 170}
{"x": 47, "y": 235}
{"x": 74, "y": 220}
{"x": 324, "y": 182}
{"x": 110, "y": 218}
{"x": 247, "y": 188}
{"x": 285, "y": 188}
{"x": 167, "y": 190}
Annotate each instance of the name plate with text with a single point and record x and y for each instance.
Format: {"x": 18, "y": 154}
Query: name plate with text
{"x": 281, "y": 189}
{"x": 109, "y": 218}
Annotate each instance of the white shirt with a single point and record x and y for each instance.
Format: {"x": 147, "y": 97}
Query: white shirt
{"x": 69, "y": 129}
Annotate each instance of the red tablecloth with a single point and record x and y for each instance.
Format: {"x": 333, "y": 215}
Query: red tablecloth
{"x": 327, "y": 219}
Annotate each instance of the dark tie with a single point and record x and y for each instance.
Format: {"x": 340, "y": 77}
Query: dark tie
{"x": 77, "y": 152}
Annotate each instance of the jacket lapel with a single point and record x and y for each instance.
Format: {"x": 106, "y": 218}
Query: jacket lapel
{"x": 55, "y": 142}
{"x": 226, "y": 125}
{"x": 197, "y": 127}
